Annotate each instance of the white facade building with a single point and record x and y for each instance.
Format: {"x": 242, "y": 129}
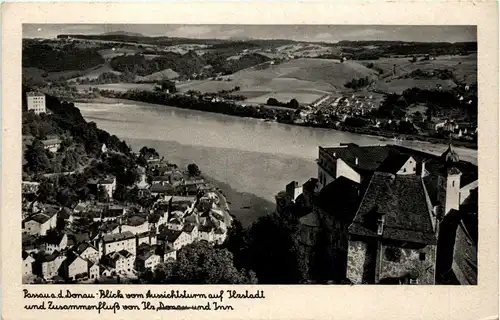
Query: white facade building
{"x": 36, "y": 102}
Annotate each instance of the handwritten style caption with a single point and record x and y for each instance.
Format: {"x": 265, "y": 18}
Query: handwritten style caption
{"x": 128, "y": 300}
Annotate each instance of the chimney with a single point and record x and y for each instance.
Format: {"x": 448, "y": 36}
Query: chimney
{"x": 356, "y": 161}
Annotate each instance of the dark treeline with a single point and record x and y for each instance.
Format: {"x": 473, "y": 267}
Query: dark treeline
{"x": 358, "y": 83}
{"x": 53, "y": 60}
{"x": 438, "y": 102}
{"x": 187, "y": 64}
{"x": 194, "y": 103}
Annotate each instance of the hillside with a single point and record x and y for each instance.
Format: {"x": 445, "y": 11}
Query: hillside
{"x": 59, "y": 59}
{"x": 167, "y": 74}
{"x": 304, "y": 79}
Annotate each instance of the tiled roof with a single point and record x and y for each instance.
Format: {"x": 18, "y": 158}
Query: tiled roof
{"x": 83, "y": 246}
{"x": 159, "y": 188}
{"x": 161, "y": 178}
{"x": 205, "y": 228}
{"x": 369, "y": 157}
{"x": 144, "y": 251}
{"x": 42, "y": 217}
{"x": 53, "y": 238}
{"x": 394, "y": 161}
{"x": 34, "y": 94}
{"x": 135, "y": 221}
{"x": 465, "y": 256}
{"x": 401, "y": 200}
{"x": 188, "y": 228}
{"x": 340, "y": 198}
{"x": 51, "y": 141}
{"x": 169, "y": 235}
{"x": 376, "y": 158}
{"x": 125, "y": 253}
{"x": 118, "y": 236}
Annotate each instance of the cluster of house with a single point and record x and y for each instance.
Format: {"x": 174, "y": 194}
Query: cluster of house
{"x": 341, "y": 107}
{"x": 94, "y": 240}
{"x": 393, "y": 215}
{"x": 456, "y": 129}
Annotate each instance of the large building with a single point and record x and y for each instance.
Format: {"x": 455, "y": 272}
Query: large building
{"x": 390, "y": 214}
{"x": 36, "y": 102}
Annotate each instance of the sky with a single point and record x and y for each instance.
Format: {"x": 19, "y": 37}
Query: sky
{"x": 326, "y": 33}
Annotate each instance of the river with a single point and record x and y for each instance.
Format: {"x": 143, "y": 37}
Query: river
{"x": 252, "y": 156}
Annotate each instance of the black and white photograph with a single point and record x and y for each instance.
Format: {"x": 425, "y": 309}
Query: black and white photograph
{"x": 249, "y": 154}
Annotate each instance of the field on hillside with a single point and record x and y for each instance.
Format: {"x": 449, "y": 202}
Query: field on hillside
{"x": 463, "y": 67}
{"x": 303, "y": 79}
{"x": 160, "y": 75}
{"x": 109, "y": 54}
{"x": 95, "y": 73}
{"x": 400, "y": 85}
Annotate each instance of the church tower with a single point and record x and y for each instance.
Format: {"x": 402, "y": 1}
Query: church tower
{"x": 448, "y": 191}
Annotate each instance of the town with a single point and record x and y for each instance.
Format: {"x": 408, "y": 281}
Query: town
{"x": 104, "y": 237}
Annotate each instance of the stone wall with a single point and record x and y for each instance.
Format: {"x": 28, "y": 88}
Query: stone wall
{"x": 355, "y": 261}
{"x": 409, "y": 261}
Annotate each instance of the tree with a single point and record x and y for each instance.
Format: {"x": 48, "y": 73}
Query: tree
{"x": 36, "y": 157}
{"x": 201, "y": 263}
{"x": 274, "y": 253}
{"x": 273, "y": 102}
{"x": 120, "y": 193}
{"x": 294, "y": 104}
{"x": 193, "y": 170}
{"x": 236, "y": 243}
{"x": 168, "y": 85}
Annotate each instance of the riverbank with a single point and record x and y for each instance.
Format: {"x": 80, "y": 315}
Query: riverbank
{"x": 259, "y": 114}
{"x": 245, "y": 206}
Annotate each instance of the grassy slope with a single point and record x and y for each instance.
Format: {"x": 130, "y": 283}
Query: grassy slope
{"x": 306, "y": 79}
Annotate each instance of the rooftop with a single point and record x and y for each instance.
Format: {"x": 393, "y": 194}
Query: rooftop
{"x": 169, "y": 235}
{"x": 386, "y": 158}
{"x": 118, "y": 236}
{"x": 340, "y": 197}
{"x": 34, "y": 94}
{"x": 402, "y": 202}
{"x": 51, "y": 142}
{"x": 42, "y": 217}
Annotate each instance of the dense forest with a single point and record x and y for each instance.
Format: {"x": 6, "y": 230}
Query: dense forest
{"x": 69, "y": 57}
{"x": 187, "y": 64}
{"x": 137, "y": 64}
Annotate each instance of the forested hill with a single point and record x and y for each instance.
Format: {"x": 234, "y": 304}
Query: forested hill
{"x": 81, "y": 141}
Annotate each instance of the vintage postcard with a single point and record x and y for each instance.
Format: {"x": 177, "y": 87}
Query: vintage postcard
{"x": 215, "y": 161}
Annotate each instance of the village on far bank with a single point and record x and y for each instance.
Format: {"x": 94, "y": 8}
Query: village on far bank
{"x": 105, "y": 236}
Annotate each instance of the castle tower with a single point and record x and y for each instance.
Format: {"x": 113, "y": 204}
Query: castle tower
{"x": 448, "y": 192}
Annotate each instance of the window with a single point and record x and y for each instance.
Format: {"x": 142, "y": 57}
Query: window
{"x": 421, "y": 256}
{"x": 404, "y": 169}
{"x": 453, "y": 183}
{"x": 393, "y": 254}
{"x": 380, "y": 226}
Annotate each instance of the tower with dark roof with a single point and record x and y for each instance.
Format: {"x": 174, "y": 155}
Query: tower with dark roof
{"x": 448, "y": 189}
